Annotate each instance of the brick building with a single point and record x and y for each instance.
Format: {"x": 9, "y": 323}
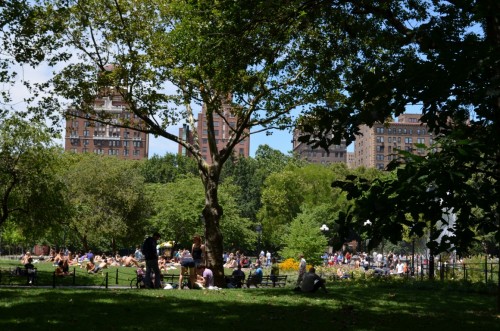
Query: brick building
{"x": 335, "y": 154}
{"x": 83, "y": 135}
{"x": 375, "y": 147}
{"x": 222, "y": 131}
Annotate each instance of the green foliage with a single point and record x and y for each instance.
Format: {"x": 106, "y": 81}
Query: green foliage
{"x": 30, "y": 190}
{"x": 285, "y": 194}
{"x": 109, "y": 202}
{"x": 304, "y": 237}
{"x": 168, "y": 168}
{"x": 177, "y": 213}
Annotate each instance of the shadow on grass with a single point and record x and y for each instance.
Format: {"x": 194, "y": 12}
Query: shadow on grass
{"x": 348, "y": 306}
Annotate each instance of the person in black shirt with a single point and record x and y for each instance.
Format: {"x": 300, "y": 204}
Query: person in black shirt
{"x": 151, "y": 257}
{"x": 198, "y": 251}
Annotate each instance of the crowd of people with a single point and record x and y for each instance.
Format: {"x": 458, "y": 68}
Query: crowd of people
{"x": 194, "y": 273}
{"x": 382, "y": 264}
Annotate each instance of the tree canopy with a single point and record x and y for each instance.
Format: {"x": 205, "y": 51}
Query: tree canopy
{"x": 30, "y": 190}
{"x": 344, "y": 63}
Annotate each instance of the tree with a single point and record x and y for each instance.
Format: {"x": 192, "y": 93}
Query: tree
{"x": 176, "y": 213}
{"x": 241, "y": 60}
{"x": 30, "y": 191}
{"x": 167, "y": 168}
{"x": 109, "y": 203}
{"x": 305, "y": 237}
{"x": 287, "y": 193}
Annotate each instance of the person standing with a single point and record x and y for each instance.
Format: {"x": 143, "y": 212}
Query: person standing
{"x": 302, "y": 269}
{"x": 138, "y": 254}
{"x": 198, "y": 251}
{"x": 151, "y": 257}
{"x": 187, "y": 268}
{"x": 268, "y": 258}
{"x": 275, "y": 271}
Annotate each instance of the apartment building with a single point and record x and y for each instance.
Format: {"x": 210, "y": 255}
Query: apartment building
{"x": 84, "y": 135}
{"x": 222, "y": 132}
{"x": 335, "y": 153}
{"x": 375, "y": 147}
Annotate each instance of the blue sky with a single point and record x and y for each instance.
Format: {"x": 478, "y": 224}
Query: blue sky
{"x": 280, "y": 140}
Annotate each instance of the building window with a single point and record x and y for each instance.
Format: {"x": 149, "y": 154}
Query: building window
{"x": 379, "y": 130}
{"x": 399, "y": 140}
{"x": 87, "y": 124}
{"x": 380, "y": 139}
{"x": 420, "y": 140}
{"x": 85, "y": 142}
{"x": 408, "y": 140}
{"x": 380, "y": 157}
{"x": 125, "y": 152}
{"x": 137, "y": 152}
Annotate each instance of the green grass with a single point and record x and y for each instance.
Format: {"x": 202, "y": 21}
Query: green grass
{"x": 351, "y": 305}
{"x": 120, "y": 276}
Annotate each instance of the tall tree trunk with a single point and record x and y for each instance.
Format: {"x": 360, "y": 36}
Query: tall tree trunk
{"x": 212, "y": 214}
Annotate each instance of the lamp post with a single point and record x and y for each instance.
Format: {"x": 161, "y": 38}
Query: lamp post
{"x": 368, "y": 223}
{"x": 258, "y": 229}
{"x": 324, "y": 228}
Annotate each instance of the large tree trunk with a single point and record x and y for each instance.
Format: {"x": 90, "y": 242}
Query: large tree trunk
{"x": 212, "y": 214}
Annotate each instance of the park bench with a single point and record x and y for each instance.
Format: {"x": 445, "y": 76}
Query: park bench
{"x": 235, "y": 281}
{"x": 280, "y": 281}
{"x": 137, "y": 282}
{"x": 267, "y": 282}
{"x": 11, "y": 277}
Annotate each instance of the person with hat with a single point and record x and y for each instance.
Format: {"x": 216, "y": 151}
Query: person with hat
{"x": 151, "y": 257}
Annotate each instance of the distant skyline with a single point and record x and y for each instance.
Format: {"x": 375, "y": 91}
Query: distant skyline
{"x": 280, "y": 139}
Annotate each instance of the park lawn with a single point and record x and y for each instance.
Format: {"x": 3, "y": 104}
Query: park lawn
{"x": 347, "y": 306}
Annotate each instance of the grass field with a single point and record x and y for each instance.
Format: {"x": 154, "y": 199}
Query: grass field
{"x": 349, "y": 305}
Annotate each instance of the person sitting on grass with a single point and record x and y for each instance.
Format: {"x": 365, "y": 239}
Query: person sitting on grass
{"x": 256, "y": 278}
{"x": 342, "y": 274}
{"x": 312, "y": 282}
{"x": 205, "y": 277}
{"x": 92, "y": 268}
{"x": 59, "y": 270}
{"x": 25, "y": 258}
{"x": 129, "y": 261}
{"x": 231, "y": 263}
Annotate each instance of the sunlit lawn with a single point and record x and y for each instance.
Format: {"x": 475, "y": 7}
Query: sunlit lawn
{"x": 348, "y": 306}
